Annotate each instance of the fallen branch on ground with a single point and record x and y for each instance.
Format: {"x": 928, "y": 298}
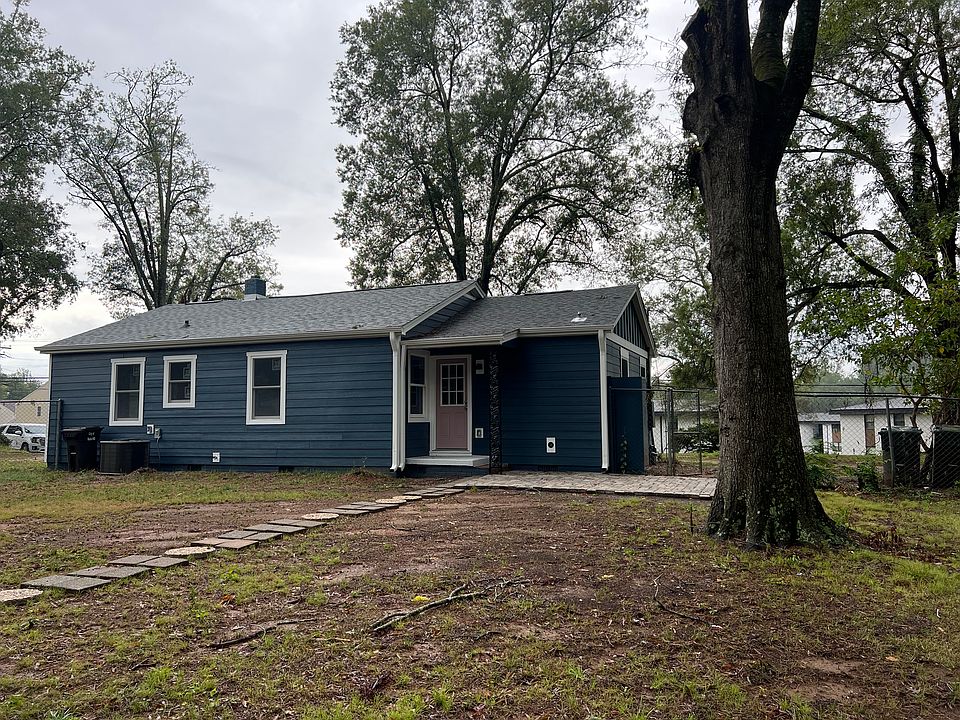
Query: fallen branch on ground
{"x": 258, "y": 633}
{"x": 659, "y": 602}
{"x": 458, "y": 594}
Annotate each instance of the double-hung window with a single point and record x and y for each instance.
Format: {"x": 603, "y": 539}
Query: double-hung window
{"x": 417, "y": 370}
{"x": 267, "y": 387}
{"x": 179, "y": 381}
{"x": 126, "y": 391}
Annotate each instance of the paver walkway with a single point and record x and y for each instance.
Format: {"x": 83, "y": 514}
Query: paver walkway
{"x": 132, "y": 565}
{"x": 700, "y": 488}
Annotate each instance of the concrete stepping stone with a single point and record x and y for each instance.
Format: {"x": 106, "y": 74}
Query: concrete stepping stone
{"x": 261, "y": 536}
{"x": 164, "y": 562}
{"x": 412, "y": 496}
{"x": 320, "y": 516}
{"x": 298, "y": 523}
{"x": 110, "y": 572}
{"x": 190, "y": 551}
{"x": 390, "y": 504}
{"x": 132, "y": 560}
{"x": 16, "y": 596}
{"x": 236, "y": 534}
{"x": 70, "y": 583}
{"x": 351, "y": 511}
{"x": 369, "y": 507}
{"x": 273, "y": 528}
{"x": 225, "y": 543}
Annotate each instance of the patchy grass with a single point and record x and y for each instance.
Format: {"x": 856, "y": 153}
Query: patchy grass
{"x": 30, "y": 490}
{"x": 866, "y": 631}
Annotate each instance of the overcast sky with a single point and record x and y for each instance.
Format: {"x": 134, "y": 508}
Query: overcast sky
{"x": 258, "y": 111}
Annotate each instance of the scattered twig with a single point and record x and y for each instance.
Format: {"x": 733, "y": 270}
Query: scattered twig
{"x": 659, "y": 602}
{"x": 258, "y": 633}
{"x": 388, "y": 621}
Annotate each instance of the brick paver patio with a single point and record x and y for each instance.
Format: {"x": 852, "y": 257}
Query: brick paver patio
{"x": 700, "y": 488}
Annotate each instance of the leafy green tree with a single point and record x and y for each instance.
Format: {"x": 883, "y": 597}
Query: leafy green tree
{"x": 885, "y": 104}
{"x": 491, "y": 141}
{"x": 133, "y": 162}
{"x": 17, "y": 384}
{"x": 38, "y": 89}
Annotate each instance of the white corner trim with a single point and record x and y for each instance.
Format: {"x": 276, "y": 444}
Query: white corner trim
{"x": 395, "y": 405}
{"x": 251, "y": 356}
{"x": 167, "y": 360}
{"x": 114, "y": 362}
{"x": 404, "y": 375}
{"x": 604, "y": 429}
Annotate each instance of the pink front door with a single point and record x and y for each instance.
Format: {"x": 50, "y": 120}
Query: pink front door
{"x": 451, "y": 405}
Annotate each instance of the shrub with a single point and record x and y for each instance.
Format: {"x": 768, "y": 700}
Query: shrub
{"x": 820, "y": 474}
{"x": 867, "y": 476}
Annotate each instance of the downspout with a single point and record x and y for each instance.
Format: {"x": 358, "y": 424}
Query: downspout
{"x": 604, "y": 420}
{"x": 395, "y": 434}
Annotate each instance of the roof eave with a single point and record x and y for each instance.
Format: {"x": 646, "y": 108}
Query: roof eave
{"x": 53, "y": 348}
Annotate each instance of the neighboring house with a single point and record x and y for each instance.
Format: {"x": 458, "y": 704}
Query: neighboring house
{"x": 35, "y": 407}
{"x": 7, "y": 412}
{"x": 820, "y": 432}
{"x": 405, "y": 378}
{"x": 855, "y": 429}
{"x": 685, "y": 417}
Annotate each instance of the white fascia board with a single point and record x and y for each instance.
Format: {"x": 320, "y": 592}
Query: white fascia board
{"x": 208, "y": 342}
{"x": 474, "y": 288}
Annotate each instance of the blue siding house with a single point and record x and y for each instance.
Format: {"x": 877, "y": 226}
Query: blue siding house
{"x": 431, "y": 378}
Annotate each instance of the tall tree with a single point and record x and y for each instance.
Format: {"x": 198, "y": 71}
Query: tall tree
{"x": 491, "y": 141}
{"x": 886, "y": 102}
{"x": 38, "y": 89}
{"x": 134, "y": 163}
{"x": 745, "y": 102}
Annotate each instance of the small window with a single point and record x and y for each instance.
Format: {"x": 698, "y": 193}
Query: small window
{"x": 179, "y": 381}
{"x": 624, "y": 363}
{"x": 126, "y": 392}
{"x": 417, "y": 371}
{"x": 899, "y": 420}
{"x": 266, "y": 387}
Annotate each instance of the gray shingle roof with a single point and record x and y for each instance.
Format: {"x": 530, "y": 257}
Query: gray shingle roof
{"x": 496, "y": 316}
{"x": 879, "y": 406}
{"x": 277, "y": 317}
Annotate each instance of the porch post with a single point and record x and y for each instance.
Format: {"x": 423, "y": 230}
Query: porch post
{"x": 496, "y": 447}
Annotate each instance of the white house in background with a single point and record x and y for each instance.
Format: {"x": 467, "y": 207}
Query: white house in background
{"x": 820, "y": 431}
{"x": 35, "y": 407}
{"x": 855, "y": 429}
{"x": 6, "y": 412}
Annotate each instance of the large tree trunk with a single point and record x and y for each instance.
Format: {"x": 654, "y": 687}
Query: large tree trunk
{"x": 763, "y": 492}
{"x": 742, "y": 111}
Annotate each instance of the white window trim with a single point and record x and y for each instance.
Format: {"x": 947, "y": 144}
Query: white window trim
{"x": 125, "y": 422}
{"x": 425, "y": 415}
{"x": 624, "y": 357}
{"x": 167, "y": 360}
{"x": 251, "y": 356}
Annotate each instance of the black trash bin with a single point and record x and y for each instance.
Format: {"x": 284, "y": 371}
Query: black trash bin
{"x": 945, "y": 464}
{"x": 82, "y": 447}
{"x": 119, "y": 457}
{"x": 901, "y": 455}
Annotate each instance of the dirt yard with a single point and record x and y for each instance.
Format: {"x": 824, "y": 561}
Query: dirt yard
{"x": 618, "y": 610}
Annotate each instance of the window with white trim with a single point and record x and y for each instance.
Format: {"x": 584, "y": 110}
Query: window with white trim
{"x": 126, "y": 391}
{"x": 624, "y": 362}
{"x": 267, "y": 387}
{"x": 417, "y": 386}
{"x": 179, "y": 381}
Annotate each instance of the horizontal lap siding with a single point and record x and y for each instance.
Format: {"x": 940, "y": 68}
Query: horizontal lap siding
{"x": 550, "y": 387}
{"x": 338, "y": 406}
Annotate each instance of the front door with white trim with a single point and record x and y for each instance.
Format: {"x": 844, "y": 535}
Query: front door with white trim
{"x": 451, "y": 417}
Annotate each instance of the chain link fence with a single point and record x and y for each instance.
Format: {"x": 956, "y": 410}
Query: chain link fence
{"x": 877, "y": 439}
